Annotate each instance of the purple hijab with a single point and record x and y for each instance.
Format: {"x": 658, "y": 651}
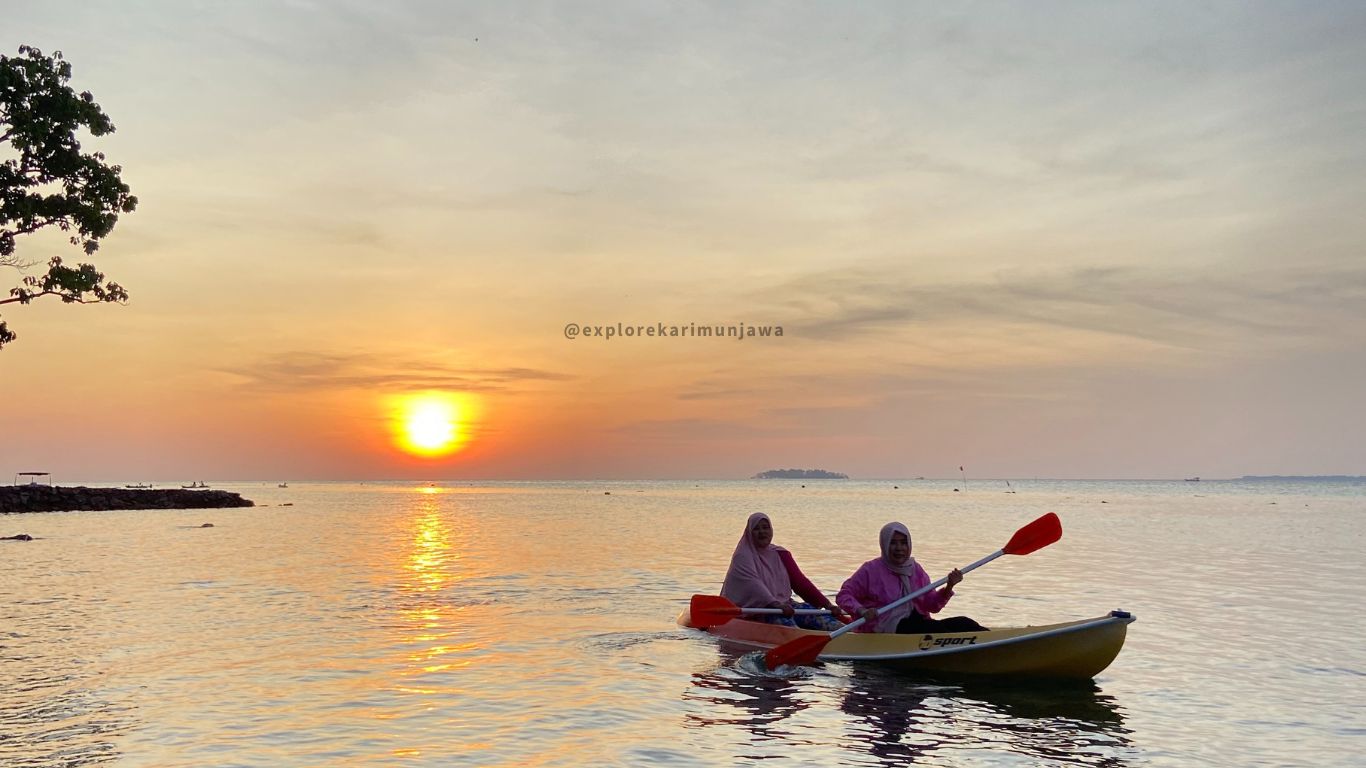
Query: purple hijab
{"x": 756, "y": 577}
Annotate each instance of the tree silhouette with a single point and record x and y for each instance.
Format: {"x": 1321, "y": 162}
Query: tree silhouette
{"x": 47, "y": 181}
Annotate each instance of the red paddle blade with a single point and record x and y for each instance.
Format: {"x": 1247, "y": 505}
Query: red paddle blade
{"x": 803, "y": 650}
{"x": 711, "y": 611}
{"x": 1035, "y": 536}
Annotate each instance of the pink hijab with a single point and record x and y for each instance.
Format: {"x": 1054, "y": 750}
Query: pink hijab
{"x": 904, "y": 571}
{"x": 756, "y": 577}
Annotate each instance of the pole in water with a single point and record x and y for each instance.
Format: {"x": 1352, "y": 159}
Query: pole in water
{"x": 965, "y": 478}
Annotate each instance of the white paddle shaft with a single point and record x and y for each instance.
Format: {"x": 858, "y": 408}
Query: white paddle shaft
{"x": 798, "y": 611}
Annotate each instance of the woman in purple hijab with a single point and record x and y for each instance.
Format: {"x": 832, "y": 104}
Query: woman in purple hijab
{"x": 882, "y": 580}
{"x": 764, "y": 575}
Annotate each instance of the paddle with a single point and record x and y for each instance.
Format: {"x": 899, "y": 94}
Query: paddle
{"x": 1030, "y": 538}
{"x": 707, "y": 611}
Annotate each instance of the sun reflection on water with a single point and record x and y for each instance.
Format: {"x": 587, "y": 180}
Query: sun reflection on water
{"x": 433, "y": 558}
{"x": 432, "y": 638}
{"x": 441, "y": 626}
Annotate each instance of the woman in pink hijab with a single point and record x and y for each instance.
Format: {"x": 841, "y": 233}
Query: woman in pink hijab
{"x": 763, "y": 575}
{"x": 884, "y": 579}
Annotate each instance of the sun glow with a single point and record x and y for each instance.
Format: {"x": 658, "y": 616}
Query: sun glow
{"x": 431, "y": 424}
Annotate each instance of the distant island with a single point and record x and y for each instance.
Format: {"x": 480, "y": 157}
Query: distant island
{"x": 800, "y": 474}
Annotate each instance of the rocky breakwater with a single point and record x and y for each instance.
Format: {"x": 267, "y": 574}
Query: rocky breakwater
{"x": 47, "y": 498}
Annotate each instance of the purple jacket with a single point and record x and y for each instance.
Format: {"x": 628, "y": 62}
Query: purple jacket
{"x": 874, "y": 585}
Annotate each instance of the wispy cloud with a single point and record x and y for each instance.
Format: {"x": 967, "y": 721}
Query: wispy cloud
{"x": 706, "y": 430}
{"x": 310, "y": 371}
{"x": 1195, "y": 309}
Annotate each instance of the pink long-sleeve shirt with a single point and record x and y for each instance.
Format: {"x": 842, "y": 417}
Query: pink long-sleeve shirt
{"x": 874, "y": 585}
{"x": 800, "y": 584}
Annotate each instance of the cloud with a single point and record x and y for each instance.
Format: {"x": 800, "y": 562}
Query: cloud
{"x": 708, "y": 430}
{"x": 311, "y": 371}
{"x": 1200, "y": 309}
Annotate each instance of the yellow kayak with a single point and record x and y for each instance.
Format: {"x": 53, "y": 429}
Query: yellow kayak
{"x": 1071, "y": 650}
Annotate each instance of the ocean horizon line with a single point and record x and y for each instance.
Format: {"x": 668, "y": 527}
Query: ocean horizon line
{"x": 619, "y": 480}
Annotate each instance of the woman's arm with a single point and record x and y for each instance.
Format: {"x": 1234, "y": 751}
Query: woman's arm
{"x": 802, "y": 585}
{"x": 933, "y": 601}
{"x": 854, "y": 591}
{"x": 859, "y": 598}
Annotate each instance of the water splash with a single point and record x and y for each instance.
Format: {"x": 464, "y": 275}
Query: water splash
{"x": 753, "y": 664}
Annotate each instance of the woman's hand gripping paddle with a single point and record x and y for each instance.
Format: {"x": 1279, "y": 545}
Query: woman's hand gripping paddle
{"x": 1030, "y": 538}
{"x": 707, "y": 611}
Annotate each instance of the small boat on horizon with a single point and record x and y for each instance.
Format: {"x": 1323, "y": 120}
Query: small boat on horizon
{"x": 283, "y": 485}
{"x": 195, "y": 485}
{"x": 139, "y": 486}
{"x": 1193, "y": 479}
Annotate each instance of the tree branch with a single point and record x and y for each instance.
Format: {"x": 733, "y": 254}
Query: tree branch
{"x": 67, "y": 298}
{"x": 35, "y": 226}
{"x": 16, "y": 262}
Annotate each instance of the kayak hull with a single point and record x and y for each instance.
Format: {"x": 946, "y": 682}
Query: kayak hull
{"x": 1075, "y": 650}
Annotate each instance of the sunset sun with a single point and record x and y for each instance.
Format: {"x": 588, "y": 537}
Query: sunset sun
{"x": 431, "y": 424}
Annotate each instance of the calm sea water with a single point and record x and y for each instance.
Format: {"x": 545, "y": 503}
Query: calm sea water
{"x": 533, "y": 624}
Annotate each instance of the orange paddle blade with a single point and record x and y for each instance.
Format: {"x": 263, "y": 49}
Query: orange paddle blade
{"x": 1035, "y": 536}
{"x": 803, "y": 650}
{"x": 711, "y": 611}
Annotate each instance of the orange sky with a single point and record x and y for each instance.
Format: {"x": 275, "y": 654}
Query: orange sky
{"x": 1092, "y": 242}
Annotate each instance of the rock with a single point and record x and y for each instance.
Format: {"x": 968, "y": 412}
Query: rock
{"x": 47, "y": 498}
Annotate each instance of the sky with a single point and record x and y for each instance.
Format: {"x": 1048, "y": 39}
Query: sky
{"x": 1067, "y": 240}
